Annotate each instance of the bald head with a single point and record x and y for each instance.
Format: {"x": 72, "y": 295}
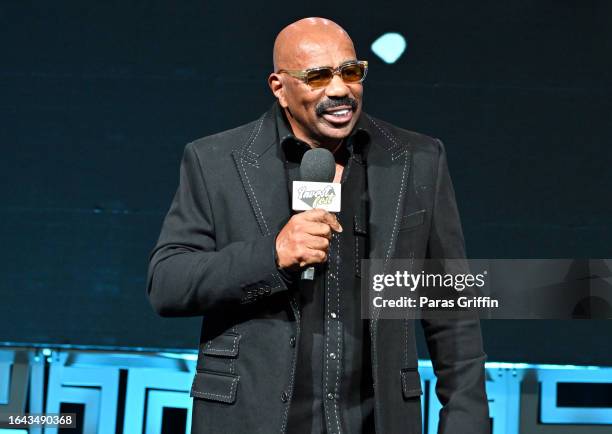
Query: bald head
{"x": 324, "y": 113}
{"x": 295, "y": 44}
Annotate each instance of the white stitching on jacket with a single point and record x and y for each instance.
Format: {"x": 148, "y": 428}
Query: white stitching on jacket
{"x": 293, "y": 364}
{"x": 261, "y": 216}
{"x": 227, "y": 397}
{"x": 209, "y": 346}
{"x": 397, "y": 208}
{"x": 338, "y": 337}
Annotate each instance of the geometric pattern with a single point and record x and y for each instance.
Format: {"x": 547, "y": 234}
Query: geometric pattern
{"x": 127, "y": 392}
{"x": 551, "y": 413}
{"x": 523, "y": 399}
{"x": 92, "y": 380}
{"x": 503, "y": 390}
{"x": 158, "y": 391}
{"x": 96, "y": 387}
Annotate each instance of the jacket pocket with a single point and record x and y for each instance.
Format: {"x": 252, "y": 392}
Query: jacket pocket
{"x": 411, "y": 383}
{"x": 225, "y": 345}
{"x": 219, "y": 354}
{"x": 215, "y": 387}
{"x": 412, "y": 220}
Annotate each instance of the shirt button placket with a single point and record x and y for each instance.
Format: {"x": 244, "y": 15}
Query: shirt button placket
{"x": 333, "y": 307}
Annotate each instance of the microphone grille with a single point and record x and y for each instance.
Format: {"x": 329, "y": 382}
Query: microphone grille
{"x": 318, "y": 165}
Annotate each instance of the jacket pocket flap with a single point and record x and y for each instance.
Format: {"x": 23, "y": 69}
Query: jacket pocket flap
{"x": 216, "y": 387}
{"x": 413, "y": 219}
{"x": 225, "y": 345}
{"x": 411, "y": 383}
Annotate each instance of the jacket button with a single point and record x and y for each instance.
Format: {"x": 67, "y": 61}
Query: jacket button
{"x": 284, "y": 396}
{"x": 292, "y": 341}
{"x": 330, "y": 396}
{"x": 333, "y": 356}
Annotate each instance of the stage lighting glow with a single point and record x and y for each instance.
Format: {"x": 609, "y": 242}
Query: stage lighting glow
{"x": 181, "y": 356}
{"x": 389, "y": 47}
{"x": 523, "y": 366}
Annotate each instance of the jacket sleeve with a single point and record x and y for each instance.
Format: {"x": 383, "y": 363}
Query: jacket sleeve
{"x": 455, "y": 346}
{"x": 187, "y": 274}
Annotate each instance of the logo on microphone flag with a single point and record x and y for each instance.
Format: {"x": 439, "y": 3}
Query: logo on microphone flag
{"x": 308, "y": 195}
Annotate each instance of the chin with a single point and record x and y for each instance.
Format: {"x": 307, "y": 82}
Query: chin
{"x": 331, "y": 140}
{"x": 337, "y": 133}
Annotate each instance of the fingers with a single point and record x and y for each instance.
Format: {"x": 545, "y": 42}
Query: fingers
{"x": 316, "y": 243}
{"x": 304, "y": 240}
{"x": 312, "y": 257}
{"x": 312, "y": 250}
{"x": 322, "y": 216}
{"x": 318, "y": 229}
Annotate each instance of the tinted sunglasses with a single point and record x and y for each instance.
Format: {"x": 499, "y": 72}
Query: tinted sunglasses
{"x": 351, "y": 73}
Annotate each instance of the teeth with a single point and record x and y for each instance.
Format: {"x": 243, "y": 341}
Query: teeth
{"x": 339, "y": 112}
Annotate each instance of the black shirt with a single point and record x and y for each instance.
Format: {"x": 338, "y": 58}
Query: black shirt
{"x": 333, "y": 390}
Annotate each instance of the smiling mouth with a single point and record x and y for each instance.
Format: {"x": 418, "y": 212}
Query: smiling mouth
{"x": 338, "y": 115}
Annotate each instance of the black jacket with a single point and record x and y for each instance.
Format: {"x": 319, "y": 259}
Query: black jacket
{"x": 215, "y": 258}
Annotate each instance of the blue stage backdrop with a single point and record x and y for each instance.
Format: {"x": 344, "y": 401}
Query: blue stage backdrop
{"x": 98, "y": 99}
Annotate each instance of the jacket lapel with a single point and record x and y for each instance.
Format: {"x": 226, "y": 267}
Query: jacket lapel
{"x": 263, "y": 175}
{"x": 388, "y": 171}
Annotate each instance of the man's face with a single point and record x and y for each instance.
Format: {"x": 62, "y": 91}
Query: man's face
{"x": 321, "y": 116}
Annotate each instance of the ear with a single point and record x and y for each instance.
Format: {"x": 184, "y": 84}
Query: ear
{"x": 277, "y": 88}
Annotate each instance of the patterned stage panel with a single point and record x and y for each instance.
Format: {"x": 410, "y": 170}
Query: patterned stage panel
{"x": 148, "y": 393}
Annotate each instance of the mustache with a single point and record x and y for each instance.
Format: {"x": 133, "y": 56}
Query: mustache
{"x": 333, "y": 103}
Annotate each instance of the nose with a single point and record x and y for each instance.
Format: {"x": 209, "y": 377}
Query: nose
{"x": 336, "y": 87}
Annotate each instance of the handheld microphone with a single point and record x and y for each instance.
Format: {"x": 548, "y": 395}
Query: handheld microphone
{"x": 316, "y": 189}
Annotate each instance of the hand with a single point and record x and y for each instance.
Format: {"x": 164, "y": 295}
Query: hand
{"x": 304, "y": 240}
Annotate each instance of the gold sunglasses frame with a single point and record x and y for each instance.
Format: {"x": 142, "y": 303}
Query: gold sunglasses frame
{"x": 302, "y": 74}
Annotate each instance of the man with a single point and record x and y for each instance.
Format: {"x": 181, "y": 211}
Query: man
{"x": 283, "y": 354}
